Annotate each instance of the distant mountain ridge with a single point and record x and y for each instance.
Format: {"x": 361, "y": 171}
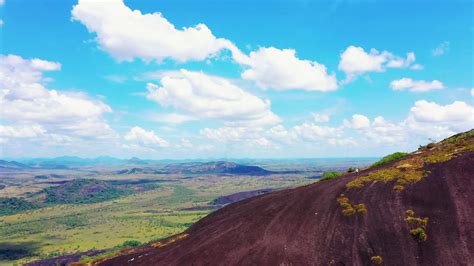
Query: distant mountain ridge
{"x": 12, "y": 165}
{"x": 218, "y": 167}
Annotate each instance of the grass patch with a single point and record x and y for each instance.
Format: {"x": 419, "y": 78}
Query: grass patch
{"x": 390, "y": 158}
{"x": 348, "y": 209}
{"x": 330, "y": 175}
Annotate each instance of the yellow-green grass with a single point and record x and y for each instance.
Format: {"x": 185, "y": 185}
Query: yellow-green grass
{"x": 145, "y": 216}
{"x": 71, "y": 228}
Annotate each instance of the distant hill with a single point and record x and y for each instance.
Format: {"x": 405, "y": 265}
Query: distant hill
{"x": 49, "y": 176}
{"x": 12, "y": 165}
{"x": 219, "y": 167}
{"x": 82, "y": 191}
{"x": 411, "y": 210}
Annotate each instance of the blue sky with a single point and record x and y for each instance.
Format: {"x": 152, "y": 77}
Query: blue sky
{"x": 255, "y": 79}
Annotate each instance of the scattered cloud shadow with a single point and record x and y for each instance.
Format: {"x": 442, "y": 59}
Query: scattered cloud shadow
{"x": 14, "y": 251}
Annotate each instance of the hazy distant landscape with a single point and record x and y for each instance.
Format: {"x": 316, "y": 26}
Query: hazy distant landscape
{"x": 69, "y": 205}
{"x": 276, "y": 132}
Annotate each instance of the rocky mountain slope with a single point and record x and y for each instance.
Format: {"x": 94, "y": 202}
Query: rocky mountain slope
{"x": 417, "y": 210}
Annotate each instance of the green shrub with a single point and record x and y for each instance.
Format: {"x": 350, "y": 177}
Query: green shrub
{"x": 330, "y": 175}
{"x": 410, "y": 213}
{"x": 10, "y": 206}
{"x": 377, "y": 260}
{"x": 83, "y": 191}
{"x": 348, "y": 211}
{"x": 361, "y": 208}
{"x": 419, "y": 234}
{"x": 131, "y": 244}
{"x": 420, "y": 222}
{"x": 390, "y": 158}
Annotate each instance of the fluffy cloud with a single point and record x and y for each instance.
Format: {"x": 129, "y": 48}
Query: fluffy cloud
{"x": 208, "y": 97}
{"x": 416, "y": 85}
{"x": 43, "y": 65}
{"x": 472, "y": 92}
{"x": 441, "y": 49}
{"x": 173, "y": 118}
{"x": 425, "y": 120}
{"x": 42, "y": 111}
{"x": 356, "y": 61}
{"x": 458, "y": 115}
{"x": 140, "y": 135}
{"x": 313, "y": 132}
{"x": 21, "y": 131}
{"x": 282, "y": 70}
{"x": 358, "y": 122}
{"x": 240, "y": 136}
{"x": 127, "y": 34}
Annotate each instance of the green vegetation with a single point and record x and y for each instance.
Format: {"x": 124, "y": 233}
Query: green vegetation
{"x": 410, "y": 169}
{"x": 419, "y": 234}
{"x": 406, "y": 171}
{"x": 377, "y": 260}
{"x": 348, "y": 209}
{"x": 83, "y": 191}
{"x": 459, "y": 137}
{"x": 330, "y": 175}
{"x": 390, "y": 158}
{"x": 10, "y": 206}
{"x": 360, "y": 208}
{"x": 422, "y": 222}
{"x": 63, "y": 226}
{"x": 130, "y": 244}
{"x": 418, "y": 225}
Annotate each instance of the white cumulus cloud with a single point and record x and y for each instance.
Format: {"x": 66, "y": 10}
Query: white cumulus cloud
{"x": 209, "y": 97}
{"x": 127, "y": 34}
{"x": 457, "y": 113}
{"x": 141, "y": 136}
{"x": 416, "y": 85}
{"x": 356, "y": 61}
{"x": 43, "y": 65}
{"x": 21, "y": 131}
{"x": 282, "y": 70}
{"x": 358, "y": 122}
{"x": 24, "y": 97}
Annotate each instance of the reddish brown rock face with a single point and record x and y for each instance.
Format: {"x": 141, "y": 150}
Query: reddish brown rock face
{"x": 306, "y": 226}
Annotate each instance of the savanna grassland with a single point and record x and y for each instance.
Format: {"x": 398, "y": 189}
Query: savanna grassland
{"x": 139, "y": 207}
